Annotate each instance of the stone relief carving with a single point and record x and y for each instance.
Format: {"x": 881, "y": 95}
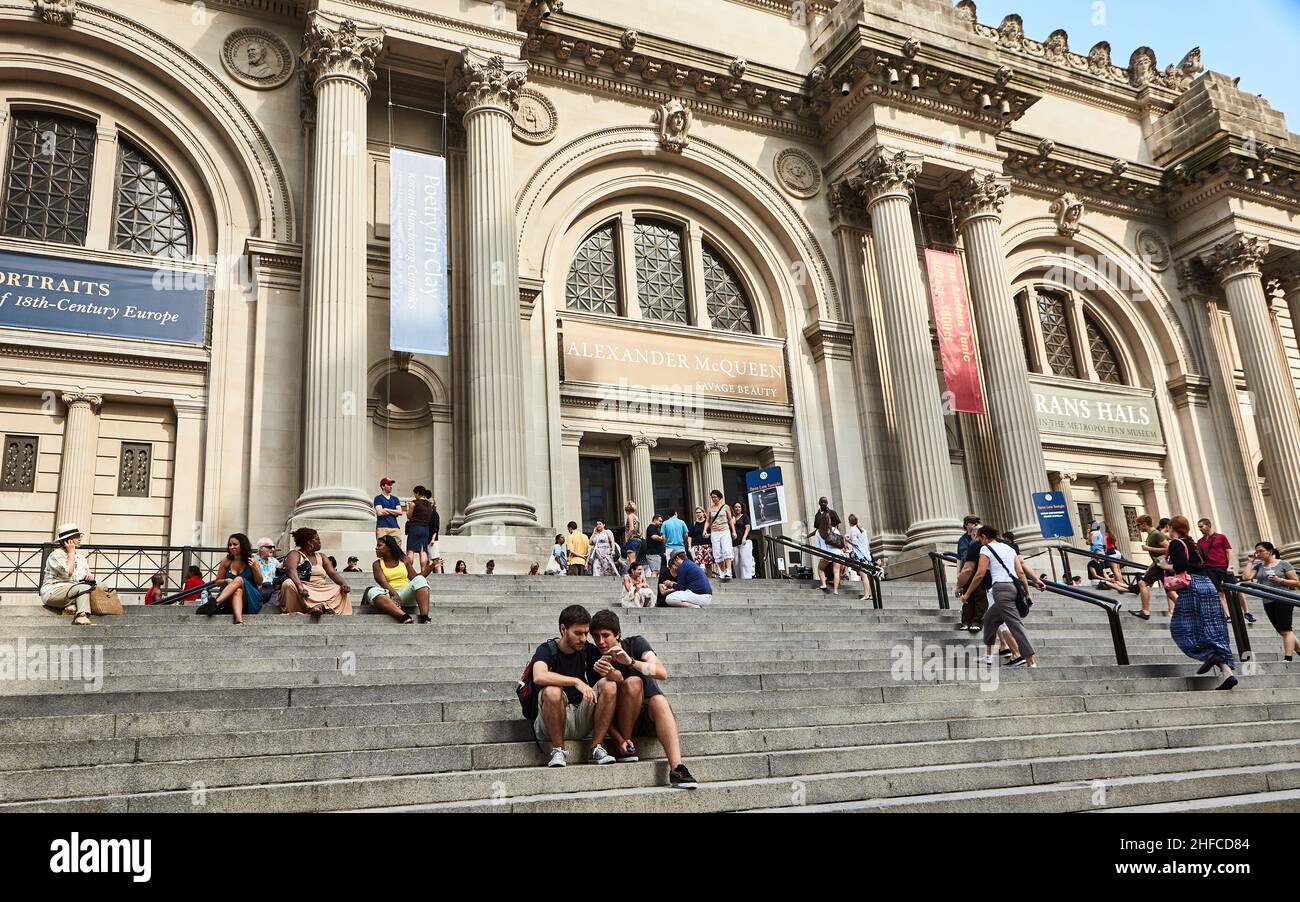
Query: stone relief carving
{"x": 1045, "y": 147}
{"x": 1099, "y": 59}
{"x": 257, "y": 58}
{"x": 1057, "y": 46}
{"x": 535, "y": 118}
{"x": 1142, "y": 67}
{"x": 1068, "y": 211}
{"x": 1011, "y": 33}
{"x": 57, "y": 12}
{"x": 797, "y": 172}
{"x": 1153, "y": 249}
{"x": 674, "y": 120}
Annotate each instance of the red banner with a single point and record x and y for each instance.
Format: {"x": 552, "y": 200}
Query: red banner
{"x": 952, "y": 319}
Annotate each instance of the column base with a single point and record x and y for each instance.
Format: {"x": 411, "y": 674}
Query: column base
{"x": 502, "y": 510}
{"x": 944, "y": 533}
{"x": 347, "y": 505}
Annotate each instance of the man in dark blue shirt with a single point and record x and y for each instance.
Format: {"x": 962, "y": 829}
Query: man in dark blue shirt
{"x": 689, "y": 587}
{"x": 387, "y": 509}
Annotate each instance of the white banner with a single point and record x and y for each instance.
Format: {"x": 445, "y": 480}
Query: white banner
{"x": 417, "y": 255}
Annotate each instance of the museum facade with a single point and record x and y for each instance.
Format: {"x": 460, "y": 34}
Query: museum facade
{"x": 680, "y": 248}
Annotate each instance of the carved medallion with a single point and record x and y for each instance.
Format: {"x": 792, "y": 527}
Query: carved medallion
{"x": 257, "y": 58}
{"x": 1153, "y": 249}
{"x": 798, "y": 172}
{"x": 1068, "y": 211}
{"x": 535, "y": 118}
{"x": 674, "y": 121}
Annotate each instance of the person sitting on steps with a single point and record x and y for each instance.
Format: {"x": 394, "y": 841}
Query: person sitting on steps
{"x": 689, "y": 586}
{"x": 240, "y": 579}
{"x": 568, "y": 707}
{"x": 312, "y": 585}
{"x": 67, "y": 581}
{"x": 399, "y": 590}
{"x": 632, "y": 665}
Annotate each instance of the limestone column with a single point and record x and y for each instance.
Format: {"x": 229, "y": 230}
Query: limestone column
{"x": 643, "y": 488}
{"x": 1113, "y": 509}
{"x": 499, "y": 474}
{"x": 77, "y": 460}
{"x": 187, "y": 474}
{"x": 338, "y": 62}
{"x": 712, "y": 470}
{"x": 571, "y": 471}
{"x": 887, "y": 179}
{"x": 1290, "y": 285}
{"x": 1237, "y": 263}
{"x": 1007, "y": 396}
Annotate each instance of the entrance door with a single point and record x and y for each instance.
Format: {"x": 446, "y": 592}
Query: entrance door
{"x": 733, "y": 487}
{"x": 599, "y": 478}
{"x": 672, "y": 489}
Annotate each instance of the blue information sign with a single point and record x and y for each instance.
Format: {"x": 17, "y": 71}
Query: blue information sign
{"x": 1053, "y": 515}
{"x": 57, "y": 294}
{"x": 766, "y": 493}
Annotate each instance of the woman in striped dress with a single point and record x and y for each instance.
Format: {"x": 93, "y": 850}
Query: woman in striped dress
{"x": 1197, "y": 625}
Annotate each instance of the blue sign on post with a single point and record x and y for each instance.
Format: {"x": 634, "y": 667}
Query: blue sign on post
{"x": 57, "y": 294}
{"x": 766, "y": 492}
{"x": 1053, "y": 515}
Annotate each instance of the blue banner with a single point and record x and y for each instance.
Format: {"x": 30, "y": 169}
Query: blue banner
{"x": 57, "y": 294}
{"x": 1053, "y": 515}
{"x": 417, "y": 253}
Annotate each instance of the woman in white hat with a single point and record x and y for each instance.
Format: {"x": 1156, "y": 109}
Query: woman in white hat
{"x": 68, "y": 582}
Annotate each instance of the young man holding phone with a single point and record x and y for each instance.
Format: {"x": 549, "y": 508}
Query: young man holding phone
{"x": 568, "y": 707}
{"x": 632, "y": 666}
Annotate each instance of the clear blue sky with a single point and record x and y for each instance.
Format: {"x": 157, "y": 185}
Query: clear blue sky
{"x": 1258, "y": 40}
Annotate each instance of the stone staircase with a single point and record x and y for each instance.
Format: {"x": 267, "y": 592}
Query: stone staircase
{"x": 787, "y": 700}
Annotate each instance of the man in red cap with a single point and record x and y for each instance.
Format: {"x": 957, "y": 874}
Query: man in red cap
{"x": 387, "y": 509}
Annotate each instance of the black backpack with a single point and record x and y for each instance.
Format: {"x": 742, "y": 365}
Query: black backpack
{"x": 525, "y": 691}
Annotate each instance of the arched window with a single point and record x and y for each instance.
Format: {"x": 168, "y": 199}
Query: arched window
{"x": 1104, "y": 358}
{"x": 150, "y": 218}
{"x": 47, "y": 186}
{"x": 1055, "y": 319}
{"x": 728, "y": 308}
{"x": 660, "y": 271}
{"x": 593, "y": 277}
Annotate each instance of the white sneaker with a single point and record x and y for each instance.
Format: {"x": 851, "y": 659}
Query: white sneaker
{"x": 600, "y": 756}
{"x": 988, "y": 659}
{"x": 558, "y": 758}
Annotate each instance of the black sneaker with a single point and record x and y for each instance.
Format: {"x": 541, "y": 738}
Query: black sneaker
{"x": 1006, "y": 652}
{"x": 680, "y": 778}
{"x": 1018, "y": 662}
{"x": 1250, "y": 618}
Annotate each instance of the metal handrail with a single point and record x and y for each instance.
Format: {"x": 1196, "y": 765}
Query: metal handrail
{"x": 185, "y": 593}
{"x": 1237, "y": 611}
{"x": 22, "y": 564}
{"x": 1112, "y": 608}
{"x": 1067, "y": 550}
{"x": 871, "y": 569}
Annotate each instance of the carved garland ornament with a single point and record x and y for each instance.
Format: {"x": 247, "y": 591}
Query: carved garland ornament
{"x": 257, "y": 58}
{"x": 798, "y": 172}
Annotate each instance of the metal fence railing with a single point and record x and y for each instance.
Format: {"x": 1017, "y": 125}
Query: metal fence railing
{"x": 126, "y": 568}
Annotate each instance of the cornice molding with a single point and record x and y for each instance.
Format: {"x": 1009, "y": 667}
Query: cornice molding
{"x": 100, "y": 357}
{"x": 1076, "y": 169}
{"x": 1049, "y": 190}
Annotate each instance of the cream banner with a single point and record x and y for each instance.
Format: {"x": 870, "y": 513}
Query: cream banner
{"x": 680, "y": 364}
{"x": 1099, "y": 415}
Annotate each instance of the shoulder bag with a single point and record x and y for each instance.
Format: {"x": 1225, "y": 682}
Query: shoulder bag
{"x": 1022, "y": 595}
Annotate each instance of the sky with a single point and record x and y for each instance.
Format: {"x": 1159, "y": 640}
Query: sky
{"x": 1257, "y": 40}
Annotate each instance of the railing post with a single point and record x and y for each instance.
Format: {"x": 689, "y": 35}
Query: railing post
{"x": 1117, "y": 636}
{"x": 1065, "y": 564}
{"x": 187, "y": 558}
{"x": 876, "y": 601}
{"x": 1239, "y": 627}
{"x": 940, "y": 581}
{"x": 47, "y": 548}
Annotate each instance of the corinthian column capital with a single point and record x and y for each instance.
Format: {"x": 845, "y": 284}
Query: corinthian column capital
{"x": 712, "y": 447}
{"x": 642, "y": 441}
{"x": 979, "y": 194}
{"x": 489, "y": 81}
{"x": 1239, "y": 256}
{"x": 888, "y": 173}
{"x": 336, "y": 47}
{"x": 76, "y": 397}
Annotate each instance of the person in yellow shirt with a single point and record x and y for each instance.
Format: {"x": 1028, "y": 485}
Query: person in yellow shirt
{"x": 578, "y": 546}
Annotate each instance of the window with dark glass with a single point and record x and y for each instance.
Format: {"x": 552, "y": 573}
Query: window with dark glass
{"x": 19, "y": 464}
{"x": 728, "y": 308}
{"x": 150, "y": 218}
{"x": 1104, "y": 358}
{"x": 1054, "y": 315}
{"x": 133, "y": 470}
{"x": 660, "y": 271}
{"x": 47, "y": 184}
{"x": 1085, "y": 516}
{"x": 593, "y": 277}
